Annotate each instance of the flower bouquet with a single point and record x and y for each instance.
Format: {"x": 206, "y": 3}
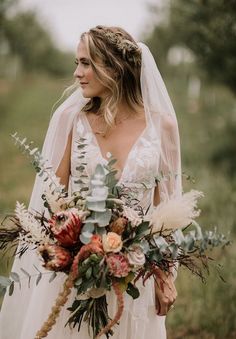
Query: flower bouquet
{"x": 102, "y": 244}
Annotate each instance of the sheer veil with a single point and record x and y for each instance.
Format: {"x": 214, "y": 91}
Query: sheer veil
{"x": 160, "y": 111}
{"x": 161, "y": 115}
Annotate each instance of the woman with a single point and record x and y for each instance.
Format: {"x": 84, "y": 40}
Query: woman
{"x": 121, "y": 108}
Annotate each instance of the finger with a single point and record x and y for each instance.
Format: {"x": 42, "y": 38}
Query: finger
{"x": 157, "y": 304}
{"x": 163, "y": 309}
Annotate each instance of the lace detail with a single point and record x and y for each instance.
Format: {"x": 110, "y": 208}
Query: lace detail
{"x": 141, "y": 166}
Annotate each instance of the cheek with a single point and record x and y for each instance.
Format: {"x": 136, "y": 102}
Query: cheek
{"x": 89, "y": 74}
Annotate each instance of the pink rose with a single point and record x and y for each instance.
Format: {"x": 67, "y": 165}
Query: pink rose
{"x": 136, "y": 256}
{"x": 112, "y": 242}
{"x": 66, "y": 227}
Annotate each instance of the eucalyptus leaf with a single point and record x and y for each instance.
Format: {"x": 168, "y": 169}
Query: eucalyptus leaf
{"x": 88, "y": 227}
{"x": 11, "y": 288}
{"x": 160, "y": 241}
{"x": 103, "y": 219}
{"x": 15, "y": 276}
{"x": 145, "y": 246}
{"x": 174, "y": 250}
{"x": 38, "y": 278}
{"x": 178, "y": 236}
{"x": 4, "y": 281}
{"x": 85, "y": 237}
{"x": 53, "y": 276}
{"x": 94, "y": 204}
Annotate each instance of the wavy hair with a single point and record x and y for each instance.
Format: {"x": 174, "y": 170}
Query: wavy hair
{"x": 116, "y": 60}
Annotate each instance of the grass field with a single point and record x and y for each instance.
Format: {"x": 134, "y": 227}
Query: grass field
{"x": 201, "y": 310}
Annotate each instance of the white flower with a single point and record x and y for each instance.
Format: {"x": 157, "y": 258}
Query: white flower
{"x": 33, "y": 229}
{"x": 132, "y": 216}
{"x": 177, "y": 212}
{"x": 136, "y": 256}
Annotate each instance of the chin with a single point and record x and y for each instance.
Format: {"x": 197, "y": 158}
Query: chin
{"x": 87, "y": 94}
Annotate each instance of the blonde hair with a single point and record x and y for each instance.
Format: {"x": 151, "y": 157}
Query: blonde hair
{"x": 116, "y": 60}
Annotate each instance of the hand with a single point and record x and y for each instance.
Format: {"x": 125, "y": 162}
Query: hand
{"x": 165, "y": 292}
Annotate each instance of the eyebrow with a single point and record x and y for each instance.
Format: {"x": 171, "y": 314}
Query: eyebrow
{"x": 82, "y": 59}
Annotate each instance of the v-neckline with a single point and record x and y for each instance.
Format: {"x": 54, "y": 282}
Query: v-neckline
{"x": 122, "y": 171}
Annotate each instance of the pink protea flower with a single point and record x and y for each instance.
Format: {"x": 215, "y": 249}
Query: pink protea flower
{"x": 66, "y": 226}
{"x": 118, "y": 265}
{"x": 55, "y": 258}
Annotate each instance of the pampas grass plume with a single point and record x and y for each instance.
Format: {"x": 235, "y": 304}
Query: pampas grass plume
{"x": 177, "y": 212}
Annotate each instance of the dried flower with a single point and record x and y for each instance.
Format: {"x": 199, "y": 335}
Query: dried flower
{"x": 111, "y": 242}
{"x": 118, "y": 226}
{"x": 118, "y": 265}
{"x": 54, "y": 198}
{"x": 66, "y": 227}
{"x": 34, "y": 233}
{"x": 55, "y": 258}
{"x": 136, "y": 256}
{"x": 132, "y": 216}
{"x": 177, "y": 212}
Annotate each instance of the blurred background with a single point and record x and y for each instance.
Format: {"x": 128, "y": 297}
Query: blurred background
{"x": 194, "y": 44}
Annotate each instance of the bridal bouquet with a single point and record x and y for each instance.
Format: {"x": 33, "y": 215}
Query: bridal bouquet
{"x": 102, "y": 244}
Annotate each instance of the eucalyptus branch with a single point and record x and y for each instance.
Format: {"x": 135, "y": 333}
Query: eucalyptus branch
{"x": 38, "y": 162}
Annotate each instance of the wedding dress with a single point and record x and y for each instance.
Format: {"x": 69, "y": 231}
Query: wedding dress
{"x": 139, "y": 319}
{"x": 156, "y": 150}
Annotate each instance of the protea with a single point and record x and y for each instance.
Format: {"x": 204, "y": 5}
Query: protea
{"x": 56, "y": 258}
{"x": 66, "y": 227}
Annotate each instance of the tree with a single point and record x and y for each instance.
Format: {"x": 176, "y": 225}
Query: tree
{"x": 207, "y": 28}
{"x": 31, "y": 43}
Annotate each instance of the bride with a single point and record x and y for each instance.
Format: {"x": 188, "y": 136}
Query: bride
{"x": 121, "y": 107}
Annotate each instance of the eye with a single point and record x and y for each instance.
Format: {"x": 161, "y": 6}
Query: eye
{"x": 85, "y": 63}
{"x": 76, "y": 62}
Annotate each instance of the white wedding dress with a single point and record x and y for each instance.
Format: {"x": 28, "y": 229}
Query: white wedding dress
{"x": 139, "y": 320}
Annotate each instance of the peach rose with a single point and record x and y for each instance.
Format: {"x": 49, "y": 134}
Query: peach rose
{"x": 112, "y": 242}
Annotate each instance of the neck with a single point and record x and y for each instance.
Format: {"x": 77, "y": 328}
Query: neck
{"x": 125, "y": 111}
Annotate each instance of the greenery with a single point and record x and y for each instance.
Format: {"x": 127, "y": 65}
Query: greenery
{"x": 207, "y": 129}
{"x": 210, "y": 34}
{"x": 204, "y": 30}
{"x": 27, "y": 46}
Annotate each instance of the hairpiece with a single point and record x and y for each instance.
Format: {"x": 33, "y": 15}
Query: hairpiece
{"x": 129, "y": 49}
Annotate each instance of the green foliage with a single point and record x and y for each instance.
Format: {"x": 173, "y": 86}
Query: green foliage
{"x": 207, "y": 28}
{"x": 207, "y": 133}
{"x": 24, "y": 39}
{"x": 94, "y": 311}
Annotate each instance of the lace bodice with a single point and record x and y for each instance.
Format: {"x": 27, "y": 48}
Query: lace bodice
{"x": 141, "y": 166}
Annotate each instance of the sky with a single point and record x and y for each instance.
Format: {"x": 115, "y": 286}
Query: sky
{"x": 67, "y": 19}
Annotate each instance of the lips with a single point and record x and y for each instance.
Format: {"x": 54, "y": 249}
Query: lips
{"x": 83, "y": 83}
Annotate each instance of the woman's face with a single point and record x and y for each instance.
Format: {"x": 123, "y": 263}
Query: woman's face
{"x": 90, "y": 85}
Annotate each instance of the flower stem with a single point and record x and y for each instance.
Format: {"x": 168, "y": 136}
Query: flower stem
{"x": 120, "y": 302}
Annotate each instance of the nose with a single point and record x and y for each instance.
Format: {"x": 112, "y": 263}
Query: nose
{"x": 78, "y": 73}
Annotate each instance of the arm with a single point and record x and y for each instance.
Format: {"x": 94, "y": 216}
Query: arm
{"x": 63, "y": 171}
